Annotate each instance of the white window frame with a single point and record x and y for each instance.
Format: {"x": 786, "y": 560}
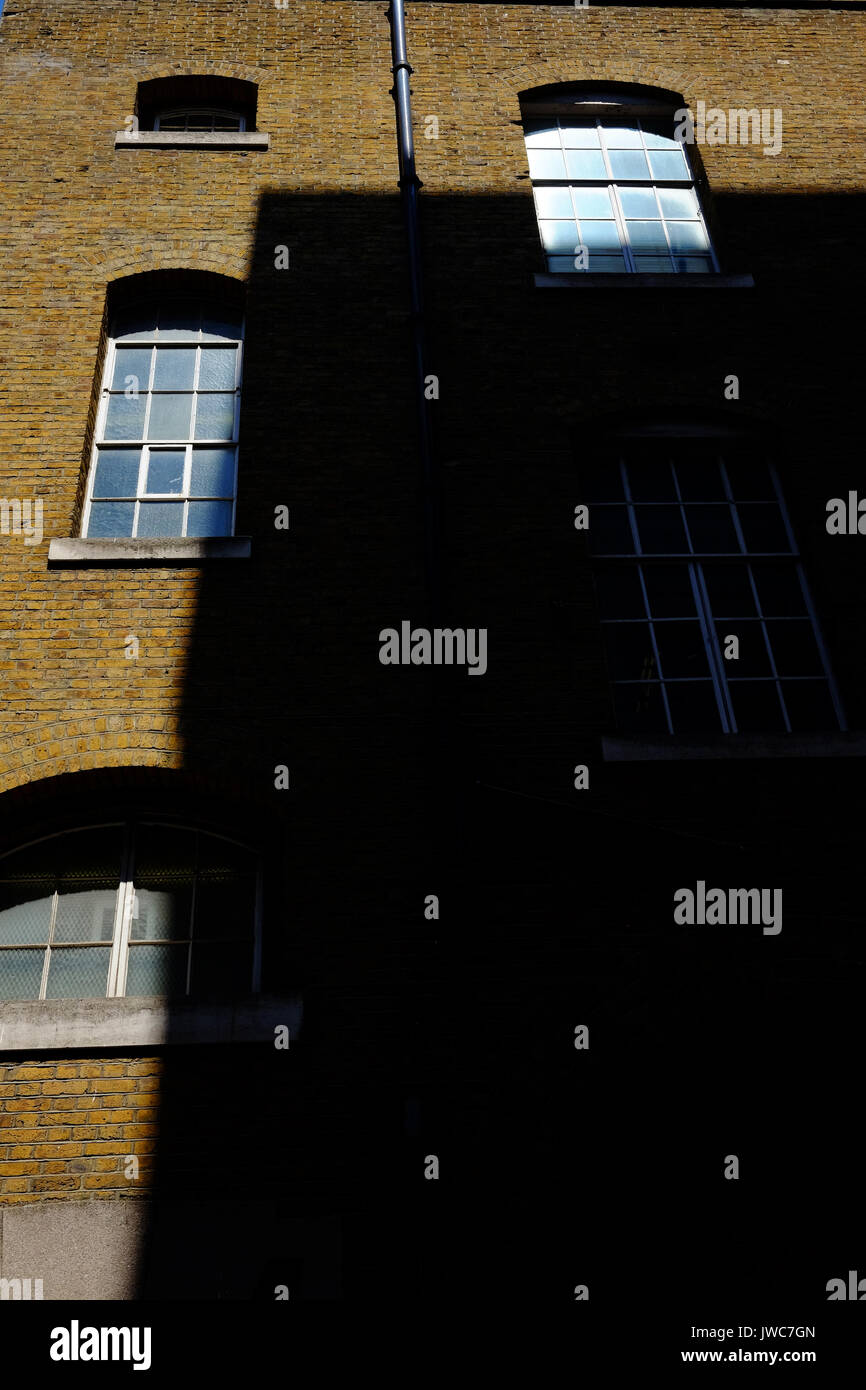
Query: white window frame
{"x": 124, "y": 909}
{"x": 199, "y": 341}
{"x": 622, "y": 116}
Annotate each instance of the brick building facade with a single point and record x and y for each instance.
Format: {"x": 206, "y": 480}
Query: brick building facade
{"x": 223, "y": 686}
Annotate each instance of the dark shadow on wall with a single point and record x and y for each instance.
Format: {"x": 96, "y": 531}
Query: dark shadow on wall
{"x": 454, "y": 1037}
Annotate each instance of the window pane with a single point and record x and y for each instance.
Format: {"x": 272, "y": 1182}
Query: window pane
{"x": 638, "y": 202}
{"x": 763, "y": 527}
{"x": 116, "y": 473}
{"x": 779, "y": 590}
{"x": 169, "y": 417}
{"x": 654, "y": 265}
{"x": 678, "y": 202}
{"x": 730, "y": 591}
{"x": 131, "y": 362}
{"x": 750, "y": 481}
{"x": 21, "y": 974}
{"x": 700, "y": 481}
{"x": 622, "y": 137}
{"x": 628, "y": 164}
{"x": 217, "y": 371}
{"x": 602, "y": 264}
{"x": 712, "y": 530}
{"x": 164, "y": 854}
{"x": 651, "y": 481}
{"x": 86, "y": 916}
{"x": 25, "y": 916}
{"x": 209, "y": 519}
{"x": 547, "y": 164}
{"x": 646, "y": 236}
{"x": 619, "y": 593}
{"x": 756, "y": 707}
{"x": 584, "y": 164}
{"x": 541, "y": 135}
{"x": 693, "y": 707}
{"x": 553, "y": 202}
{"x": 156, "y": 971}
{"x": 609, "y": 531}
{"x": 681, "y": 650}
{"x": 657, "y": 135}
{"x": 795, "y": 650}
{"x": 809, "y": 708}
{"x": 215, "y": 417}
{"x": 160, "y": 519}
{"x": 221, "y": 970}
{"x": 213, "y": 473}
{"x": 111, "y": 519}
{"x": 693, "y": 265}
{"x": 668, "y": 164}
{"x": 77, "y": 972}
{"x": 629, "y": 650}
{"x": 125, "y": 417}
{"x": 178, "y": 321}
{"x": 639, "y": 709}
{"x": 576, "y": 136}
{"x": 559, "y": 236}
{"x": 593, "y": 202}
{"x": 561, "y": 265}
{"x": 175, "y": 369}
{"x": 687, "y": 236}
{"x": 164, "y": 914}
{"x": 600, "y": 236}
{"x": 669, "y": 591}
{"x": 661, "y": 530}
{"x": 225, "y": 910}
{"x": 753, "y": 659}
{"x": 165, "y": 470}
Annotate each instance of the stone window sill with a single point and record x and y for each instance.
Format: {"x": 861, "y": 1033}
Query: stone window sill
{"x": 191, "y": 139}
{"x": 587, "y": 280}
{"x": 82, "y": 551}
{"x": 46, "y": 1024}
{"x": 670, "y": 748}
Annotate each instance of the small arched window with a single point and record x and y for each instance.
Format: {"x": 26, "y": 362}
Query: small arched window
{"x": 204, "y": 102}
{"x": 138, "y": 908}
{"x": 164, "y": 458}
{"x": 614, "y": 188}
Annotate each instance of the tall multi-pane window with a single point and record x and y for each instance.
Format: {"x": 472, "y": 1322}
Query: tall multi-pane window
{"x": 615, "y": 191}
{"x": 165, "y": 453}
{"x": 129, "y": 909}
{"x": 692, "y": 547}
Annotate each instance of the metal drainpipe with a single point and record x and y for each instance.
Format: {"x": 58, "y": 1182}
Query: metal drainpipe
{"x": 409, "y": 185}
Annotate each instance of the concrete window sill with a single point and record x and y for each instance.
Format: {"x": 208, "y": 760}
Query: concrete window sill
{"x": 81, "y": 551}
{"x": 191, "y": 139}
{"x": 585, "y": 279}
{"x": 45, "y": 1024}
{"x": 670, "y": 749}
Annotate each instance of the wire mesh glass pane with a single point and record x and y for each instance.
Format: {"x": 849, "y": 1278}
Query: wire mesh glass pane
{"x": 175, "y": 369}
{"x": 640, "y": 709}
{"x": 161, "y": 915}
{"x": 131, "y": 362}
{"x": 165, "y": 470}
{"x": 629, "y": 648}
{"x": 213, "y": 473}
{"x": 77, "y": 972}
{"x": 21, "y": 974}
{"x": 112, "y": 519}
{"x": 217, "y": 369}
{"x": 86, "y": 916}
{"x": 160, "y": 519}
{"x": 157, "y": 971}
{"x": 693, "y": 707}
{"x": 24, "y": 920}
{"x": 116, "y": 473}
{"x": 125, "y": 418}
{"x": 209, "y": 519}
{"x": 169, "y": 417}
